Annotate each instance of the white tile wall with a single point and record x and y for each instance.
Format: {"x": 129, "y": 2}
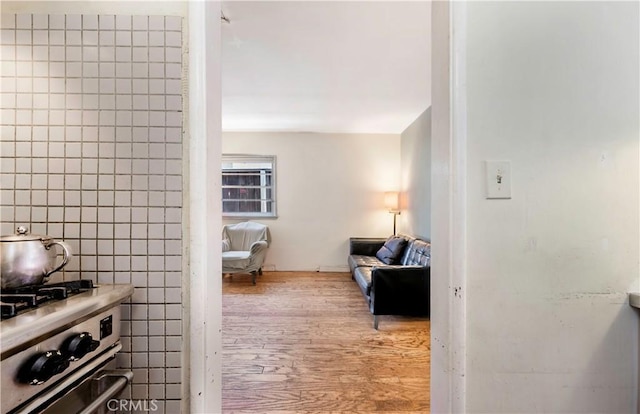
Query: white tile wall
{"x": 91, "y": 153}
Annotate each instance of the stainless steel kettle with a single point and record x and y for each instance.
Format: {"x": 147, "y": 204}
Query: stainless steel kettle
{"x": 28, "y": 259}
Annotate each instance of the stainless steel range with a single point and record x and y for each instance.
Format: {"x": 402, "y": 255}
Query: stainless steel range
{"x": 57, "y": 344}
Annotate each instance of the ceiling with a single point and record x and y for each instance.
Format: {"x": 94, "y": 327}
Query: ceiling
{"x": 325, "y": 66}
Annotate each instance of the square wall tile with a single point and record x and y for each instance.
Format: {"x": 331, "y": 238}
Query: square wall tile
{"x": 91, "y": 152}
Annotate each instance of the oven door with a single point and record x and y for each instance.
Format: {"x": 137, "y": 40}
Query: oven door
{"x": 93, "y": 394}
{"x": 86, "y": 391}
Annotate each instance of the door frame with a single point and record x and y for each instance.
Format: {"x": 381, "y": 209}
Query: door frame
{"x": 448, "y": 206}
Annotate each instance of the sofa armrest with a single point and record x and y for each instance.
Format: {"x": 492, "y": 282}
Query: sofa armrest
{"x": 400, "y": 290}
{"x": 365, "y": 246}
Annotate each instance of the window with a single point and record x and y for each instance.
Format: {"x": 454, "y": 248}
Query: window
{"x": 248, "y": 185}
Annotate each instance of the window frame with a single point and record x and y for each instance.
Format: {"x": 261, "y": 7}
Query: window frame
{"x": 252, "y": 158}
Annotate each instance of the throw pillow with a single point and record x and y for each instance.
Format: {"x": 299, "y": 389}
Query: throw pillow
{"x": 392, "y": 249}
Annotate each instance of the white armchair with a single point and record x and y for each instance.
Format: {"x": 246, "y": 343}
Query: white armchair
{"x": 244, "y": 248}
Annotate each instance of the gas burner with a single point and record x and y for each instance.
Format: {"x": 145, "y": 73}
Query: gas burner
{"x": 14, "y": 301}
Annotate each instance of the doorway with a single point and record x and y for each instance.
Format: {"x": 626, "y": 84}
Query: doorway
{"x": 201, "y": 331}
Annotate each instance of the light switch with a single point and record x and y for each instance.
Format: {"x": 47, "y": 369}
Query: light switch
{"x": 498, "y": 179}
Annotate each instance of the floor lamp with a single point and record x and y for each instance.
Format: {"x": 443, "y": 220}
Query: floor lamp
{"x": 391, "y": 203}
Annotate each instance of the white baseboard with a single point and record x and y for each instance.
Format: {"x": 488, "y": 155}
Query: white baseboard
{"x": 344, "y": 268}
{"x": 272, "y": 268}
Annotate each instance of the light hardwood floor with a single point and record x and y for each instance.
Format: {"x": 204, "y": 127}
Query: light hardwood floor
{"x": 303, "y": 342}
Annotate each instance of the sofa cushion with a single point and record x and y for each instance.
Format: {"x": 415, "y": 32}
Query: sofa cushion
{"x": 392, "y": 250}
{"x": 417, "y": 253}
{"x": 356, "y": 260}
{"x": 362, "y": 276}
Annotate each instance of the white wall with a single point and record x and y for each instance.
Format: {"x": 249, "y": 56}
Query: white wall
{"x": 415, "y": 202}
{"x": 553, "y": 88}
{"x": 329, "y": 187}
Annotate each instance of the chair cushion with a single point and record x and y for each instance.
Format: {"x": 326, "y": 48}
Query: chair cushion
{"x": 235, "y": 259}
{"x": 392, "y": 250}
{"x": 235, "y": 255}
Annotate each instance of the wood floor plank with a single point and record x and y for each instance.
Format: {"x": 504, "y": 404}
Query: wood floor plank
{"x": 303, "y": 342}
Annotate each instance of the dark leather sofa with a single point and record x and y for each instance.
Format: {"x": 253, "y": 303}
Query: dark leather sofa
{"x": 396, "y": 286}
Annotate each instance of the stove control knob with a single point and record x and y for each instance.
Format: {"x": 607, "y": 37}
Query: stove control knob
{"x": 79, "y": 345}
{"x": 42, "y": 366}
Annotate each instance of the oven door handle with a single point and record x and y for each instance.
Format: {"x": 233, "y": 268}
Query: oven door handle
{"x": 123, "y": 379}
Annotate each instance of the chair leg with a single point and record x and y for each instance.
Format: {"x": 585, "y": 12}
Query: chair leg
{"x": 253, "y": 275}
{"x": 260, "y": 271}
{"x": 375, "y": 322}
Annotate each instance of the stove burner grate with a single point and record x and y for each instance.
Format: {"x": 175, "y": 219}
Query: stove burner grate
{"x": 13, "y": 301}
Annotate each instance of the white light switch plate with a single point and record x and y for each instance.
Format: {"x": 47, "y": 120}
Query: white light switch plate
{"x": 498, "y": 178}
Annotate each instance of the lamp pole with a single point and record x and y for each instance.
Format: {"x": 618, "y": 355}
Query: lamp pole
{"x": 395, "y": 215}
{"x": 394, "y": 223}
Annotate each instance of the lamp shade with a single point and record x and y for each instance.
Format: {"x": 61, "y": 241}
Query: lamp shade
{"x": 391, "y": 201}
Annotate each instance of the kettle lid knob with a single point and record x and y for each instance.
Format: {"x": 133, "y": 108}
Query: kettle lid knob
{"x": 22, "y": 230}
